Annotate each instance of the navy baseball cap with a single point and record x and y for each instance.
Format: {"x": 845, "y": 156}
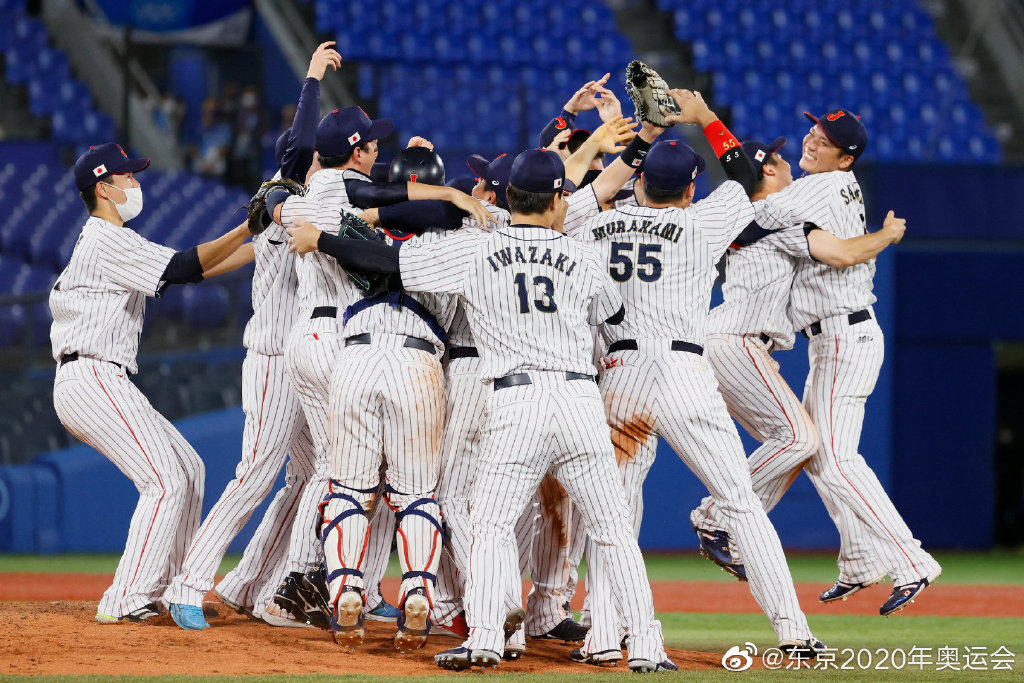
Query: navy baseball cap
{"x": 759, "y": 152}
{"x": 539, "y": 170}
{"x": 844, "y": 128}
{"x": 103, "y": 160}
{"x": 494, "y": 173}
{"x": 462, "y": 184}
{"x": 554, "y": 127}
{"x": 672, "y": 165}
{"x": 343, "y": 129}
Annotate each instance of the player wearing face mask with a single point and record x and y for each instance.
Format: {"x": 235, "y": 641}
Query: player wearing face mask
{"x": 98, "y": 305}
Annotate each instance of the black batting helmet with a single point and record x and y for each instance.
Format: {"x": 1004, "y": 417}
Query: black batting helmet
{"x": 417, "y": 165}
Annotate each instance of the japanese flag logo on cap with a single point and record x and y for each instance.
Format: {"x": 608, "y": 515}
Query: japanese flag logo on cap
{"x": 759, "y": 155}
{"x": 354, "y": 138}
{"x": 558, "y": 183}
{"x": 99, "y": 170}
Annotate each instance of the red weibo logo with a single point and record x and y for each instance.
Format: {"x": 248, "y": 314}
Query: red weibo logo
{"x": 835, "y": 115}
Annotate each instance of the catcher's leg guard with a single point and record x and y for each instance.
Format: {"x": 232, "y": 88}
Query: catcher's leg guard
{"x": 343, "y": 530}
{"x": 419, "y": 538}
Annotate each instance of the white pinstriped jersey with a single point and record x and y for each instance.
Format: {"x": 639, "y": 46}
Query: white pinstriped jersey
{"x": 460, "y": 333}
{"x": 832, "y": 201}
{"x": 758, "y": 279}
{"x": 274, "y": 293}
{"x": 583, "y": 206}
{"x": 99, "y": 299}
{"x": 530, "y": 292}
{"x": 322, "y": 282}
{"x": 663, "y": 261}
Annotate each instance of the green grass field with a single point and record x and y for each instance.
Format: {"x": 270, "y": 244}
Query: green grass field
{"x": 718, "y": 632}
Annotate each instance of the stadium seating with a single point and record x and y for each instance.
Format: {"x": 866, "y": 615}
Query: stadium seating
{"x": 771, "y": 61}
{"x": 481, "y": 76}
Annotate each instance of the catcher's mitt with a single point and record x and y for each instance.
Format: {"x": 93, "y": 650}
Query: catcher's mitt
{"x": 649, "y": 93}
{"x": 354, "y": 227}
{"x": 257, "y": 216}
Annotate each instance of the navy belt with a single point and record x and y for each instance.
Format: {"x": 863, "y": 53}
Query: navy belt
{"x": 462, "y": 352}
{"x": 324, "y": 312}
{"x": 523, "y": 378}
{"x": 72, "y": 357}
{"x": 410, "y": 342}
{"x": 853, "y": 319}
{"x": 677, "y": 345}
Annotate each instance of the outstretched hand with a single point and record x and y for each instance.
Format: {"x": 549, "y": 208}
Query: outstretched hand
{"x": 323, "y": 57}
{"x": 472, "y": 206}
{"x": 692, "y": 108}
{"x": 417, "y": 141}
{"x": 583, "y": 99}
{"x": 613, "y": 135}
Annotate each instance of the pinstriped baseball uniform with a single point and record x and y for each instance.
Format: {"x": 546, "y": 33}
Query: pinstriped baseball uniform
{"x": 274, "y": 426}
{"x": 312, "y": 350}
{"x": 833, "y": 307}
{"x": 541, "y": 532}
{"x": 664, "y": 263}
{"x": 531, "y": 295}
{"x": 98, "y": 304}
{"x": 755, "y": 295}
{"x": 387, "y": 410}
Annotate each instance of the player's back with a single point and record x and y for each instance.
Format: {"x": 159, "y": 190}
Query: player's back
{"x": 663, "y": 261}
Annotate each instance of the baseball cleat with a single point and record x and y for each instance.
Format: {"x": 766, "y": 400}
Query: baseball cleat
{"x": 602, "y": 658}
{"x": 646, "y": 666}
{"x": 514, "y": 619}
{"x": 314, "y": 584}
{"x": 274, "y": 615}
{"x": 458, "y": 628}
{"x": 189, "y": 617}
{"x": 384, "y": 611}
{"x": 513, "y": 652}
{"x": 802, "y": 649}
{"x": 460, "y": 658}
{"x": 287, "y": 597}
{"x": 135, "y": 616}
{"x": 347, "y": 622}
{"x": 567, "y": 630}
{"x": 841, "y": 590}
{"x": 902, "y": 595}
{"x": 413, "y": 622}
{"x": 714, "y": 545}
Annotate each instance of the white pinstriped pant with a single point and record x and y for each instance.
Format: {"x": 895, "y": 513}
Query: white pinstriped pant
{"x": 558, "y": 425}
{"x": 874, "y": 540}
{"x": 542, "y": 531}
{"x": 760, "y": 400}
{"x": 310, "y": 355}
{"x": 97, "y": 403}
{"x": 274, "y": 427}
{"x": 386, "y": 408}
{"x": 655, "y": 391}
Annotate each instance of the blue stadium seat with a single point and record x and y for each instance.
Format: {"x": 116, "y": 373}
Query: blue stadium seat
{"x": 206, "y": 306}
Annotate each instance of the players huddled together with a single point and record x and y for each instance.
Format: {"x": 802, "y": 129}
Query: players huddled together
{"x": 478, "y": 373}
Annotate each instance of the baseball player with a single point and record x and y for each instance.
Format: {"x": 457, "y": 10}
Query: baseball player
{"x": 832, "y": 307}
{"x": 97, "y": 305}
{"x": 346, "y": 150}
{"x": 656, "y": 382}
{"x": 752, "y": 323}
{"x": 529, "y": 293}
{"x": 274, "y": 421}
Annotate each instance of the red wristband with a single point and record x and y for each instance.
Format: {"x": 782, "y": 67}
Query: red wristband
{"x": 720, "y": 138}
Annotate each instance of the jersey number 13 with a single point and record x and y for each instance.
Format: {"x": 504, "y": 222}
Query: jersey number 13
{"x": 546, "y": 302}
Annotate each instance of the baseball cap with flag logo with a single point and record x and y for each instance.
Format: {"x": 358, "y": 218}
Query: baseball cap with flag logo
{"x": 760, "y": 153}
{"x": 341, "y": 130}
{"x": 539, "y": 170}
{"x": 844, "y": 128}
{"x": 102, "y": 160}
{"x": 494, "y": 173}
{"x": 672, "y": 165}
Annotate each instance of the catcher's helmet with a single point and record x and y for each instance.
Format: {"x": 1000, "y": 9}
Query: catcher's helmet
{"x": 418, "y": 165}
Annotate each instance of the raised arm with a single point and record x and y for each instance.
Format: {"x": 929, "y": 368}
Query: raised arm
{"x": 609, "y": 138}
{"x": 298, "y": 153}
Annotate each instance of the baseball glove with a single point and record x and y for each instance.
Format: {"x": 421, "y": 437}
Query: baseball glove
{"x": 354, "y": 227}
{"x": 257, "y": 216}
{"x": 649, "y": 93}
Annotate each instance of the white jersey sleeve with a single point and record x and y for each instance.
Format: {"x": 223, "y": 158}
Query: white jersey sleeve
{"x": 441, "y": 264}
{"x": 583, "y": 206}
{"x": 807, "y": 200}
{"x": 723, "y": 215}
{"x": 606, "y": 301}
{"x": 130, "y": 260}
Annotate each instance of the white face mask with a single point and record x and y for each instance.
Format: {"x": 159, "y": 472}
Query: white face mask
{"x": 132, "y": 206}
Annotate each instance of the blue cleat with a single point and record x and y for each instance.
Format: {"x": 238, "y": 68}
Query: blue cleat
{"x": 189, "y": 617}
{"x": 905, "y": 594}
{"x": 714, "y": 545}
{"x": 841, "y": 590}
{"x": 384, "y": 611}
